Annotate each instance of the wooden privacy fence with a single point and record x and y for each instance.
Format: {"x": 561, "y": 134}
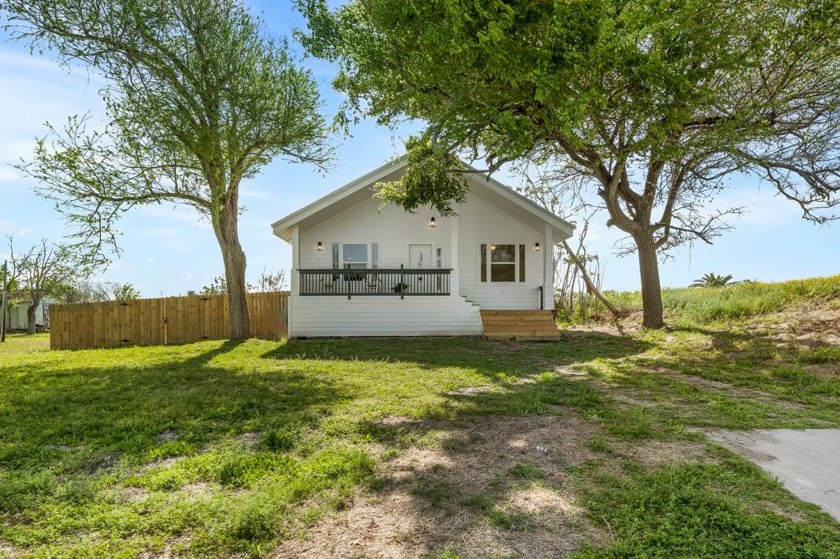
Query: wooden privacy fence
{"x": 170, "y": 320}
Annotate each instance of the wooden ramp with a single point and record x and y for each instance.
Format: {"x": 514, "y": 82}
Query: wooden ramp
{"x": 521, "y": 325}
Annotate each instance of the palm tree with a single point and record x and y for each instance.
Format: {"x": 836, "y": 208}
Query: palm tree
{"x": 712, "y": 280}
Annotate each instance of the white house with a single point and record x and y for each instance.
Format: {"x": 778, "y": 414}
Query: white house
{"x": 18, "y": 319}
{"x": 359, "y": 269}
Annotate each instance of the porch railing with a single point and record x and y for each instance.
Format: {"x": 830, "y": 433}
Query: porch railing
{"x": 402, "y": 282}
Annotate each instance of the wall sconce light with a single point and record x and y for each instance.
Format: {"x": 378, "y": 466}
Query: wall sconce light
{"x": 432, "y": 223}
{"x": 536, "y": 247}
{"x": 320, "y": 247}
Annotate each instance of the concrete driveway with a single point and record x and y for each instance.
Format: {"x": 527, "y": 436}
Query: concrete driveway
{"x": 806, "y": 461}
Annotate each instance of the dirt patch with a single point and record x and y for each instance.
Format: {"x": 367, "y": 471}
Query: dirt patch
{"x": 198, "y": 490}
{"x": 167, "y": 436}
{"x": 494, "y": 486}
{"x": 655, "y": 453}
{"x": 162, "y": 463}
{"x": 134, "y": 494}
{"x": 103, "y": 463}
{"x": 397, "y": 420}
{"x": 60, "y": 447}
{"x": 808, "y": 327}
{"x": 250, "y": 440}
{"x": 823, "y": 369}
{"x": 173, "y": 549}
{"x": 9, "y": 552}
{"x": 469, "y": 390}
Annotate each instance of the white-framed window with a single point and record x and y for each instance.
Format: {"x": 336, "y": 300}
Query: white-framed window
{"x": 355, "y": 255}
{"x": 501, "y": 263}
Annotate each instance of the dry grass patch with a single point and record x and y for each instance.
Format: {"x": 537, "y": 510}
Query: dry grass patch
{"x": 494, "y": 486}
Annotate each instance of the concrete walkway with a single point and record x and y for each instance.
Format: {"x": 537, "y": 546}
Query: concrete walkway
{"x": 806, "y": 461}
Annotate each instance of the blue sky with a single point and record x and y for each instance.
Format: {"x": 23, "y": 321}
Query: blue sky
{"x": 167, "y": 250}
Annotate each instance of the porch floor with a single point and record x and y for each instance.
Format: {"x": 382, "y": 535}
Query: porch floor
{"x": 521, "y": 325}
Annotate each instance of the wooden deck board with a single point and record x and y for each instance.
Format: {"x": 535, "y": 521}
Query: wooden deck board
{"x": 520, "y": 325}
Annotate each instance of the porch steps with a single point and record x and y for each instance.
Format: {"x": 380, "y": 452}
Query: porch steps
{"x": 520, "y": 325}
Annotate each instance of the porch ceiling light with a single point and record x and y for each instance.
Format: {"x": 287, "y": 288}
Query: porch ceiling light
{"x": 536, "y": 247}
{"x": 432, "y": 223}
{"x": 320, "y": 247}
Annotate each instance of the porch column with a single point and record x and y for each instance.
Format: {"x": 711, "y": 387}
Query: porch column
{"x": 294, "y": 283}
{"x": 454, "y": 275}
{"x": 548, "y": 279}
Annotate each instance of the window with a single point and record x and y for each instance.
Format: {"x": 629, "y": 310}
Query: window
{"x": 355, "y": 256}
{"x": 502, "y": 263}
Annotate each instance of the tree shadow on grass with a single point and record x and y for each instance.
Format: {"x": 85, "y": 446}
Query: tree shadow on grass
{"x": 51, "y": 413}
{"x": 492, "y": 359}
{"x": 495, "y": 477}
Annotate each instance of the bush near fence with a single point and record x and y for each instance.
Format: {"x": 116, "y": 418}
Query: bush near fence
{"x": 169, "y": 320}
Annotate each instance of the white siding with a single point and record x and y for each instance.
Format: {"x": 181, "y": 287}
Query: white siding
{"x": 393, "y": 228}
{"x": 383, "y": 316}
{"x": 480, "y": 223}
{"x": 18, "y": 319}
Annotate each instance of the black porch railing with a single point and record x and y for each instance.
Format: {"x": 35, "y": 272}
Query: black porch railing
{"x": 400, "y": 282}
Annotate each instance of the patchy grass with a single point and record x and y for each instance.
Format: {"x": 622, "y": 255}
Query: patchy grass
{"x": 705, "y": 510}
{"x": 274, "y": 449}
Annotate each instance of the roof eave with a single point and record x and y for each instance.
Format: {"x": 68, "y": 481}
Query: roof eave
{"x": 336, "y": 195}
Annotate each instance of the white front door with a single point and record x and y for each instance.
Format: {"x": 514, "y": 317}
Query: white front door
{"x": 420, "y": 256}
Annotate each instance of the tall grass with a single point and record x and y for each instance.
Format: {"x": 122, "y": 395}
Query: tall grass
{"x": 740, "y": 301}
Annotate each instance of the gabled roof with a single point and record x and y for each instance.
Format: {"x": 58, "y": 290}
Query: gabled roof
{"x": 360, "y": 189}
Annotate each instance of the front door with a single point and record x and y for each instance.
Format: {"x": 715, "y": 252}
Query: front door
{"x": 420, "y": 256}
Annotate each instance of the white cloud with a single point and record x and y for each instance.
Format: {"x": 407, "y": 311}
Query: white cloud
{"x": 120, "y": 266}
{"x": 249, "y": 193}
{"x": 164, "y": 232}
{"x": 173, "y": 213}
{"x": 8, "y": 174}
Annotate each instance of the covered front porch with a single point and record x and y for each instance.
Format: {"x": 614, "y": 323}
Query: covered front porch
{"x": 397, "y": 282}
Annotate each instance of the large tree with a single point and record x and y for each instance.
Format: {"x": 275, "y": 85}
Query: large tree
{"x": 198, "y": 98}
{"x": 651, "y": 105}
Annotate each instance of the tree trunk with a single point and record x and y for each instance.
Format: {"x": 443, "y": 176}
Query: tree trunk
{"x": 30, "y": 316}
{"x": 649, "y": 274}
{"x": 227, "y": 233}
{"x": 593, "y": 289}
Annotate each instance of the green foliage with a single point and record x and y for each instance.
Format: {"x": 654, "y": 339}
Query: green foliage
{"x": 277, "y": 440}
{"x": 703, "y": 510}
{"x": 434, "y": 177}
{"x": 737, "y": 302}
{"x": 126, "y": 292}
{"x": 198, "y": 98}
{"x": 648, "y": 108}
{"x": 712, "y": 280}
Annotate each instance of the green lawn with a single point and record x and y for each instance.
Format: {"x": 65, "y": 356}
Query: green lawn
{"x": 223, "y": 448}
